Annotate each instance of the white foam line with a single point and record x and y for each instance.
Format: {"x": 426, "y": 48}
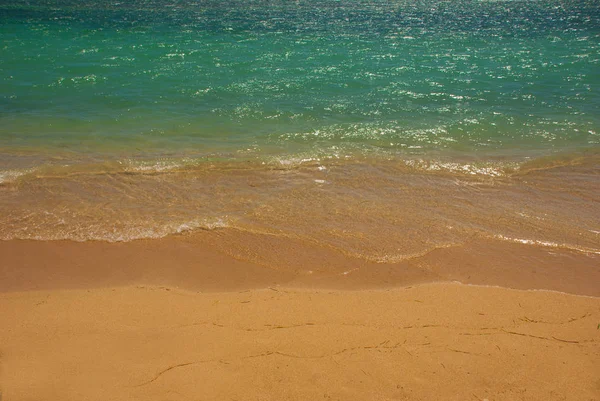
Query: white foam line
{"x": 11, "y": 175}
{"x": 547, "y": 244}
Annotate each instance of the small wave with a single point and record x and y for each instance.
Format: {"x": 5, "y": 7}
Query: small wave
{"x": 290, "y": 162}
{"x": 590, "y": 157}
{"x": 163, "y": 231}
{"x": 203, "y": 224}
{"x": 397, "y": 258}
{"x": 95, "y": 168}
{"x": 8, "y": 176}
{"x": 548, "y": 244}
{"x": 489, "y": 169}
{"x": 156, "y": 166}
{"x": 133, "y": 233}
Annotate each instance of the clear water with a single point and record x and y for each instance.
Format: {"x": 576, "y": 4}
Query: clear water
{"x": 285, "y": 77}
{"x": 124, "y": 120}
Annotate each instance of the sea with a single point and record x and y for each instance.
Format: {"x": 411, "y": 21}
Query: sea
{"x": 380, "y": 129}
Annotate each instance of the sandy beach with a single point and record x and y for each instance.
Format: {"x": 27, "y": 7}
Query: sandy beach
{"x": 84, "y": 321}
{"x": 429, "y": 342}
{"x": 353, "y": 200}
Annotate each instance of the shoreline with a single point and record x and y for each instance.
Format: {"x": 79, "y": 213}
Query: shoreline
{"x": 193, "y": 317}
{"x": 382, "y": 210}
{"x": 232, "y": 260}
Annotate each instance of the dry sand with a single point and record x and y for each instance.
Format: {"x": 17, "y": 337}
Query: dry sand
{"x": 428, "y": 342}
{"x": 179, "y": 320}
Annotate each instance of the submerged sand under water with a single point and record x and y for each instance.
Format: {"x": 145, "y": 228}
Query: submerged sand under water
{"x": 344, "y": 224}
{"x": 376, "y": 210}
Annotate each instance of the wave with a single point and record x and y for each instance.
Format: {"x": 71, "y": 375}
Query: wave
{"x": 379, "y": 209}
{"x": 8, "y": 176}
{"x": 107, "y": 233}
{"x": 548, "y": 244}
{"x": 589, "y": 158}
{"x": 460, "y": 164}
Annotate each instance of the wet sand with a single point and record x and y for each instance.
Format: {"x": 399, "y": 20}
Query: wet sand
{"x": 180, "y": 318}
{"x": 230, "y": 260}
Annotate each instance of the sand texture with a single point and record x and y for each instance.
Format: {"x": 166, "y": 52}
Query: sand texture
{"x": 427, "y": 342}
{"x": 230, "y": 260}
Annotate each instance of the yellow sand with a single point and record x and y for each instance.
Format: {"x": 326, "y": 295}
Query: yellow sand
{"x": 428, "y": 342}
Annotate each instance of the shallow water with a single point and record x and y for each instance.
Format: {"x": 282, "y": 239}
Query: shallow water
{"x": 383, "y": 130}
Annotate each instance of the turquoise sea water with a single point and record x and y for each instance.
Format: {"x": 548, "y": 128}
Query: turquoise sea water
{"x": 284, "y": 77}
{"x": 175, "y": 115}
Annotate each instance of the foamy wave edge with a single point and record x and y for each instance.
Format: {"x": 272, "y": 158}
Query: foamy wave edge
{"x": 7, "y": 176}
{"x": 547, "y": 244}
{"x": 133, "y": 234}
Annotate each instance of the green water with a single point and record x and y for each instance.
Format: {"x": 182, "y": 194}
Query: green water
{"x": 249, "y": 78}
